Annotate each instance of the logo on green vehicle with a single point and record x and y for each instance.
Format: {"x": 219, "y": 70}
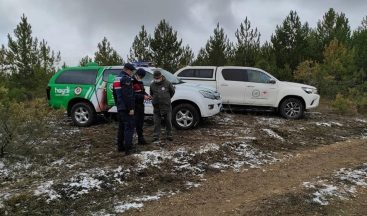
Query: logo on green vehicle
{"x": 62, "y": 91}
{"x": 77, "y": 90}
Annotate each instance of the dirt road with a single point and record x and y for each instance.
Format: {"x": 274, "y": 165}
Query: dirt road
{"x": 279, "y": 185}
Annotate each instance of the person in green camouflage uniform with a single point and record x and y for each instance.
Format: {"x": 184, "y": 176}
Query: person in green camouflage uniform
{"x": 162, "y": 91}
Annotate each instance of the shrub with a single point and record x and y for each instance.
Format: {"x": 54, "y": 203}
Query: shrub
{"x": 23, "y": 126}
{"x": 344, "y": 105}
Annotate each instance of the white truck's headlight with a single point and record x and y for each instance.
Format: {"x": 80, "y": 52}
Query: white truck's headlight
{"x": 207, "y": 94}
{"x": 309, "y": 90}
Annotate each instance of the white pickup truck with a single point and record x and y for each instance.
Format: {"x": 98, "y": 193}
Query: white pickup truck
{"x": 253, "y": 87}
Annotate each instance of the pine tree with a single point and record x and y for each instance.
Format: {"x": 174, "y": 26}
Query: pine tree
{"x": 22, "y": 55}
{"x": 64, "y": 65}
{"x": 30, "y": 63}
{"x": 140, "y": 49}
{"x": 266, "y": 59}
{"x": 248, "y": 44}
{"x": 166, "y": 47}
{"x": 290, "y": 44}
{"x": 47, "y": 58}
{"x": 106, "y": 55}
{"x": 359, "y": 44}
{"x": 186, "y": 57}
{"x": 2, "y": 62}
{"x": 85, "y": 60}
{"x": 217, "y": 51}
{"x": 332, "y": 26}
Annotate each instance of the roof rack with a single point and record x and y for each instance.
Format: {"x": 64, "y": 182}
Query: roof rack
{"x": 142, "y": 64}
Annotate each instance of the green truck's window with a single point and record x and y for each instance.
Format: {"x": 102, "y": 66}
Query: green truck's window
{"x": 107, "y": 72}
{"x": 83, "y": 77}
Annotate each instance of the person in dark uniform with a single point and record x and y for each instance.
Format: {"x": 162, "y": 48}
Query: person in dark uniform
{"x": 140, "y": 96}
{"x": 162, "y": 91}
{"x": 125, "y": 103}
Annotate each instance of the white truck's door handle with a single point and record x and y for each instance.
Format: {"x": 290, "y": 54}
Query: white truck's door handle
{"x": 224, "y": 84}
{"x": 251, "y": 86}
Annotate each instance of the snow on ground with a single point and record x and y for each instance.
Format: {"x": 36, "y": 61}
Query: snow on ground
{"x": 4, "y": 172}
{"x": 192, "y": 184}
{"x": 58, "y": 162}
{"x": 356, "y": 177}
{"x": 328, "y": 124}
{"x": 4, "y": 197}
{"x": 83, "y": 183}
{"x": 46, "y": 189}
{"x": 272, "y": 122}
{"x": 343, "y": 186}
{"x": 361, "y": 120}
{"x": 324, "y": 124}
{"x": 12, "y": 171}
{"x": 272, "y": 134}
{"x": 235, "y": 156}
{"x": 122, "y": 207}
{"x": 138, "y": 202}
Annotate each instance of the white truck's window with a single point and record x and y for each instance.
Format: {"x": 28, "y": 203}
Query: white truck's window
{"x": 235, "y": 75}
{"x": 197, "y": 73}
{"x": 187, "y": 73}
{"x": 204, "y": 73}
{"x": 257, "y": 76}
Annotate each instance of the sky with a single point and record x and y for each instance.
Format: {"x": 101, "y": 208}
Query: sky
{"x": 75, "y": 27}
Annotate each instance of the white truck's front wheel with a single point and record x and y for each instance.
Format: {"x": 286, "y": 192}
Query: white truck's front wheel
{"x": 185, "y": 116}
{"x": 292, "y": 108}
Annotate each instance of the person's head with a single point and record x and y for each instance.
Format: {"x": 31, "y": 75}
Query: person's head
{"x": 157, "y": 75}
{"x": 129, "y": 68}
{"x": 140, "y": 73}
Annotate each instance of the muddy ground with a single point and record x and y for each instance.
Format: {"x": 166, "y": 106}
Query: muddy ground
{"x": 232, "y": 164}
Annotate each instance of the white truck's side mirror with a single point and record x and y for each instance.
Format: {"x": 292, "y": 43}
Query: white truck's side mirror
{"x": 272, "y": 81}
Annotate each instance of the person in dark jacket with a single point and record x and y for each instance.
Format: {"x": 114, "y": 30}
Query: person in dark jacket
{"x": 162, "y": 91}
{"x": 125, "y": 103}
{"x": 140, "y": 97}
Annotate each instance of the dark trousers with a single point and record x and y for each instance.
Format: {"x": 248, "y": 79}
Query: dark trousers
{"x": 139, "y": 120}
{"x": 125, "y": 131}
{"x": 167, "y": 118}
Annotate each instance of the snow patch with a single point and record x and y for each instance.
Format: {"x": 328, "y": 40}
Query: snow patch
{"x": 46, "y": 189}
{"x": 208, "y": 147}
{"x": 122, "y": 207}
{"x": 271, "y": 133}
{"x": 323, "y": 124}
{"x": 345, "y": 185}
{"x": 273, "y": 122}
{"x": 82, "y": 184}
{"x": 355, "y": 177}
{"x": 4, "y": 197}
{"x": 58, "y": 162}
{"x": 361, "y": 120}
{"x": 192, "y": 185}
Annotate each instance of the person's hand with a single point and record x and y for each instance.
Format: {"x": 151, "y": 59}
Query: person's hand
{"x": 147, "y": 97}
{"x": 131, "y": 112}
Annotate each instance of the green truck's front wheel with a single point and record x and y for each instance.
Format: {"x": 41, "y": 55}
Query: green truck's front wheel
{"x": 82, "y": 114}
